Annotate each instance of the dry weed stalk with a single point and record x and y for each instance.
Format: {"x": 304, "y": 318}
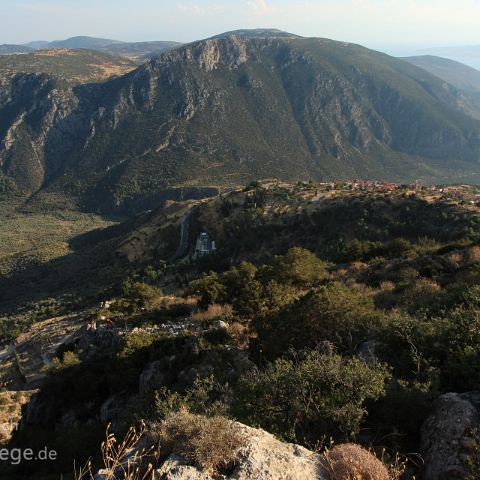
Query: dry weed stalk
{"x": 121, "y": 461}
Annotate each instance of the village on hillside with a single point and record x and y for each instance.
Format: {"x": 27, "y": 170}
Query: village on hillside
{"x": 460, "y": 194}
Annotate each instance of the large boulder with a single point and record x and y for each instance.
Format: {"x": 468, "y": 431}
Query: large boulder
{"x": 448, "y": 436}
{"x": 262, "y": 458}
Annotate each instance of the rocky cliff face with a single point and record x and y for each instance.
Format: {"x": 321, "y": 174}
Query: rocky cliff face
{"x": 31, "y": 106}
{"x": 450, "y": 437}
{"x": 226, "y": 110}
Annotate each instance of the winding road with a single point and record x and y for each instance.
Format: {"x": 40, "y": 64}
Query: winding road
{"x": 182, "y": 249}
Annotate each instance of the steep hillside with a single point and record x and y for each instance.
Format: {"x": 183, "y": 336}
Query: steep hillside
{"x": 139, "y": 51}
{"x": 457, "y": 74}
{"x": 225, "y": 111}
{"x": 7, "y": 49}
{"x": 463, "y": 77}
{"x": 467, "y": 54}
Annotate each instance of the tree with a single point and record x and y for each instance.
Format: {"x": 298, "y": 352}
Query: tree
{"x": 310, "y": 398}
{"x": 142, "y": 295}
{"x": 209, "y": 288}
{"x": 333, "y": 313}
{"x": 243, "y": 291}
{"x": 298, "y": 267}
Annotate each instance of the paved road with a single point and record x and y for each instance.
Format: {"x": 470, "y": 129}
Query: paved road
{"x": 182, "y": 249}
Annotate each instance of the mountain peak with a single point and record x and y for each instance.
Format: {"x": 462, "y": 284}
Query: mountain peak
{"x": 256, "y": 33}
{"x": 83, "y": 42}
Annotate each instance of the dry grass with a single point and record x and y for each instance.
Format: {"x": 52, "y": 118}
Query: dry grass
{"x": 54, "y": 52}
{"x": 27, "y": 238}
{"x": 213, "y": 312}
{"x": 11, "y": 403}
{"x": 387, "y": 286}
{"x": 240, "y": 333}
{"x": 108, "y": 70}
{"x": 454, "y": 260}
{"x": 353, "y": 462}
{"x": 473, "y": 254}
{"x": 209, "y": 443}
{"x": 121, "y": 461}
{"x": 172, "y": 300}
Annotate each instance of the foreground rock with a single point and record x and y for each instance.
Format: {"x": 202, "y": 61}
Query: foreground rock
{"x": 262, "y": 458}
{"x": 448, "y": 436}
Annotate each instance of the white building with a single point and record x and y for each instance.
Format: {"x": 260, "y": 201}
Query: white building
{"x": 205, "y": 245}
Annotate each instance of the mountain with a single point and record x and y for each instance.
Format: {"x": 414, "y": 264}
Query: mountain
{"x": 469, "y": 54}
{"x": 91, "y": 43}
{"x": 75, "y": 66}
{"x": 138, "y": 51}
{"x": 228, "y": 110}
{"x": 457, "y": 74}
{"x": 37, "y": 44}
{"x": 463, "y": 77}
{"x": 256, "y": 33}
{"x": 7, "y": 49}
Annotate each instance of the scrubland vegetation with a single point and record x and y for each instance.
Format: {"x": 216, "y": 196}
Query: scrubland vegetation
{"x": 321, "y": 322}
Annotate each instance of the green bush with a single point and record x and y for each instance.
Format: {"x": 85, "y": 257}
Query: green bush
{"x": 209, "y": 288}
{"x": 142, "y": 295}
{"x": 312, "y": 397}
{"x": 362, "y": 250}
{"x": 69, "y": 359}
{"x": 333, "y": 313}
{"x": 299, "y": 267}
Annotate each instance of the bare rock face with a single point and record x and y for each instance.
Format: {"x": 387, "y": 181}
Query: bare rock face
{"x": 174, "y": 468}
{"x": 93, "y": 338}
{"x": 263, "y": 458}
{"x": 447, "y": 436}
{"x": 153, "y": 377}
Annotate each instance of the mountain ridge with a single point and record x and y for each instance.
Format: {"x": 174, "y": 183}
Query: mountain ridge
{"x": 138, "y": 51}
{"x": 457, "y": 74}
{"x": 11, "y": 49}
{"x": 225, "y": 111}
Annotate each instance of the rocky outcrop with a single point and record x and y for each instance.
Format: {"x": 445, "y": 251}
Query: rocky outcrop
{"x": 262, "y": 458}
{"x": 92, "y": 339}
{"x": 153, "y": 377}
{"x": 448, "y": 436}
{"x": 31, "y": 107}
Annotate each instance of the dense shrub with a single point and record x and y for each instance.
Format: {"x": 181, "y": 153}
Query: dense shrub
{"x": 446, "y": 343}
{"x": 298, "y": 267}
{"x": 209, "y": 289}
{"x": 310, "y": 398}
{"x": 142, "y": 295}
{"x": 362, "y": 249}
{"x": 250, "y": 289}
{"x": 69, "y": 359}
{"x": 334, "y": 313}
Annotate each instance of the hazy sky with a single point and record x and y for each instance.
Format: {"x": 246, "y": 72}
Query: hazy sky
{"x": 375, "y": 23}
